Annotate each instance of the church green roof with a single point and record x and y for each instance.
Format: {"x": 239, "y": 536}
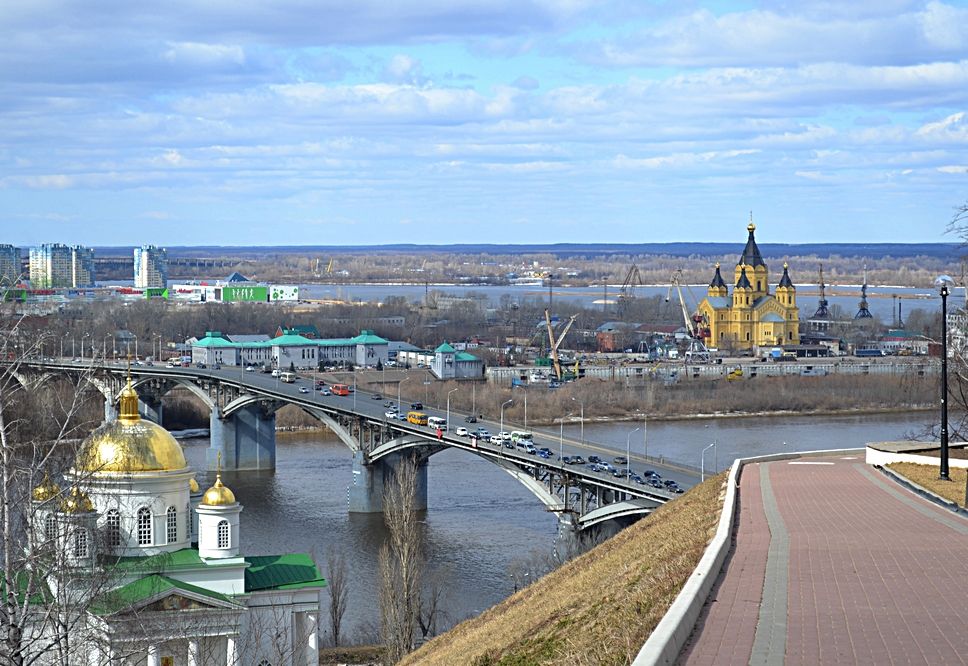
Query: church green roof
{"x": 144, "y": 589}
{"x": 282, "y": 572}
{"x": 464, "y": 356}
{"x": 445, "y": 349}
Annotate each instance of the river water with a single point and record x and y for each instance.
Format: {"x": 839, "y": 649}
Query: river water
{"x": 480, "y": 521}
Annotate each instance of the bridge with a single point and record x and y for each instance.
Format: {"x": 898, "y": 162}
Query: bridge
{"x": 243, "y": 405}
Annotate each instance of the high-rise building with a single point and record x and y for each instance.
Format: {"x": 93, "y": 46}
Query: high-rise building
{"x": 82, "y": 266}
{"x": 150, "y": 267}
{"x": 9, "y": 265}
{"x": 55, "y": 265}
{"x": 50, "y": 266}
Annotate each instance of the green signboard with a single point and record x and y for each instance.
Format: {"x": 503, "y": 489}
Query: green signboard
{"x": 251, "y": 293}
{"x": 156, "y": 292}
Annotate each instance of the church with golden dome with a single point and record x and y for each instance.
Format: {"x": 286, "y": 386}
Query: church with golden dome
{"x": 157, "y": 565}
{"x": 751, "y": 317}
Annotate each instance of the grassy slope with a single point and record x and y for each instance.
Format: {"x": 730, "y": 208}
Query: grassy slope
{"x": 598, "y": 608}
{"x": 927, "y": 477}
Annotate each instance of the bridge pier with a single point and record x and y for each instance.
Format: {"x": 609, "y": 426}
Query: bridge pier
{"x": 110, "y": 410}
{"x": 246, "y": 439}
{"x": 568, "y": 541}
{"x": 369, "y": 480}
{"x": 151, "y": 409}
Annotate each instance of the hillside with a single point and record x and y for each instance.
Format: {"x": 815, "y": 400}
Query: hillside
{"x": 600, "y": 607}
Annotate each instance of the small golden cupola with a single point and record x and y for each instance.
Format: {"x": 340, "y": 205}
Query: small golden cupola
{"x": 76, "y": 501}
{"x": 218, "y": 494}
{"x": 130, "y": 443}
{"x": 46, "y": 491}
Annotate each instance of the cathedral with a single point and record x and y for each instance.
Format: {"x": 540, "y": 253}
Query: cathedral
{"x": 148, "y": 570}
{"x": 751, "y": 317}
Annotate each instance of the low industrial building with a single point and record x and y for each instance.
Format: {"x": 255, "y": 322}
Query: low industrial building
{"x": 291, "y": 351}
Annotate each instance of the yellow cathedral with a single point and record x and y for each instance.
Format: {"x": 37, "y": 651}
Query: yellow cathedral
{"x": 752, "y": 317}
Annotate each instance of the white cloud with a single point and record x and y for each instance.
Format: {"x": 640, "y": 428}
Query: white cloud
{"x": 197, "y": 54}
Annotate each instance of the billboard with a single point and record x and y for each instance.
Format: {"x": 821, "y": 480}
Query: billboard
{"x": 257, "y": 293}
{"x": 284, "y": 292}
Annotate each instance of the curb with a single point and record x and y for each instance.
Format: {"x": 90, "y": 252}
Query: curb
{"x": 920, "y": 490}
{"x": 670, "y": 635}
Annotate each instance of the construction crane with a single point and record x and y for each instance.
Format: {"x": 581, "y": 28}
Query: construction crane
{"x": 696, "y": 324}
{"x": 627, "y": 292}
{"x": 554, "y": 343}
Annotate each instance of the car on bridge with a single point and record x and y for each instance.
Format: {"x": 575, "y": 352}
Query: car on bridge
{"x": 390, "y": 413}
{"x": 470, "y": 419}
{"x": 494, "y": 439}
{"x": 594, "y": 459}
{"x": 482, "y": 433}
{"x": 326, "y": 391}
{"x": 462, "y": 432}
{"x": 303, "y": 389}
{"x": 620, "y": 460}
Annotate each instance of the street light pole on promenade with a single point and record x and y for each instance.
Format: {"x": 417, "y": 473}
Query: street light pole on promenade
{"x": 943, "y": 281}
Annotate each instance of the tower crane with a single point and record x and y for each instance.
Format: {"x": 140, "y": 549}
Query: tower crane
{"x": 627, "y": 292}
{"x": 554, "y": 343}
{"x": 696, "y": 324}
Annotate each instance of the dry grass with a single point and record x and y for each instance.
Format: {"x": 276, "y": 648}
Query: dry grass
{"x": 926, "y": 476}
{"x": 600, "y": 607}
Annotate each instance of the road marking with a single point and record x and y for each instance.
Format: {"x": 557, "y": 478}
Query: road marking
{"x": 809, "y": 463}
{"x": 849, "y": 458}
{"x": 769, "y": 642}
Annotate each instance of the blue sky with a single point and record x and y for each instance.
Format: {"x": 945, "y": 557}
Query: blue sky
{"x": 322, "y": 122}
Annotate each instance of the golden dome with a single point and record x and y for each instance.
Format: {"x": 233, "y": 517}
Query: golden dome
{"x": 218, "y": 495}
{"x": 47, "y": 490}
{"x": 76, "y": 501}
{"x": 193, "y": 485}
{"x": 130, "y": 444}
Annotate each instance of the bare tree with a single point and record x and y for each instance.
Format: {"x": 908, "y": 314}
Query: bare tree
{"x": 401, "y": 562}
{"x": 338, "y": 580}
{"x": 45, "y": 601}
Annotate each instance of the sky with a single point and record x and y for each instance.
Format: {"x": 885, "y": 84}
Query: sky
{"x": 324, "y": 122}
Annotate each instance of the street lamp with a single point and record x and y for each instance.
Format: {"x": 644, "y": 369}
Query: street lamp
{"x": 628, "y": 451}
{"x": 104, "y": 346}
{"x": 399, "y": 385}
{"x": 83, "y": 338}
{"x": 135, "y": 347}
{"x": 158, "y": 356}
{"x": 447, "y": 426}
{"x": 943, "y": 281}
{"x": 702, "y": 462}
{"x": 503, "y": 405}
{"x": 581, "y": 403}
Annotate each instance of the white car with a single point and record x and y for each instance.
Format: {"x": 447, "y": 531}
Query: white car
{"x": 505, "y": 436}
{"x": 390, "y": 413}
{"x": 495, "y": 439}
{"x": 462, "y": 432}
{"x": 303, "y": 389}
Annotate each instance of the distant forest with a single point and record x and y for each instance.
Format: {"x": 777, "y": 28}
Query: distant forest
{"x": 915, "y": 264}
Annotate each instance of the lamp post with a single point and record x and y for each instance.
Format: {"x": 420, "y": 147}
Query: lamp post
{"x": 503, "y": 405}
{"x": 702, "y": 462}
{"x": 104, "y": 347}
{"x": 399, "y": 385}
{"x": 561, "y": 439}
{"x": 158, "y": 356}
{"x": 447, "y": 425}
{"x": 525, "y": 389}
{"x": 628, "y": 451}
{"x": 581, "y": 404}
{"x": 645, "y": 437}
{"x": 135, "y": 347}
{"x": 83, "y": 338}
{"x": 943, "y": 281}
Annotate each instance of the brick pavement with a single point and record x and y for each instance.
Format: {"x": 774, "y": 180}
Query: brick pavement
{"x": 873, "y": 573}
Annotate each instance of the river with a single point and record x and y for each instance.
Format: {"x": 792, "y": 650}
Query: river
{"x": 480, "y": 521}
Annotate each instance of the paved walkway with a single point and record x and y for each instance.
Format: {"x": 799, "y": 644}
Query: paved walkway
{"x": 834, "y": 564}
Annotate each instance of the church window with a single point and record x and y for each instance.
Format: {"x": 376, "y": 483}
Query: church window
{"x": 80, "y": 543}
{"x": 172, "y": 524}
{"x": 50, "y": 527}
{"x": 747, "y": 336}
{"x": 113, "y": 525}
{"x": 144, "y": 526}
{"x": 223, "y": 534}
{"x": 758, "y": 283}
